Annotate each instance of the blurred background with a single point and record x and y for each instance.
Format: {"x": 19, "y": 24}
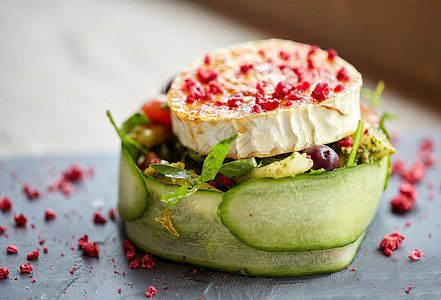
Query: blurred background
{"x": 63, "y": 63}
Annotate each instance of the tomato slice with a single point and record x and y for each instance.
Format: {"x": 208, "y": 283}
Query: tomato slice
{"x": 155, "y": 109}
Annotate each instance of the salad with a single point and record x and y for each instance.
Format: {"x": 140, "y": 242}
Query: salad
{"x": 259, "y": 159}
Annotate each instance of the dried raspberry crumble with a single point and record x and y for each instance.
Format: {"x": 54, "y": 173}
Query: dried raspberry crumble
{"x": 391, "y": 242}
{"x": 98, "y": 218}
{"x": 147, "y": 261}
{"x": 31, "y": 193}
{"x": 5, "y": 204}
{"x": 33, "y": 255}
{"x": 4, "y": 273}
{"x": 20, "y": 220}
{"x": 49, "y": 214}
{"x": 26, "y": 268}
{"x": 151, "y": 291}
{"x": 11, "y": 249}
{"x": 415, "y": 255}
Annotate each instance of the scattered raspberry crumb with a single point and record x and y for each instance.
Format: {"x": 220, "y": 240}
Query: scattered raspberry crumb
{"x": 354, "y": 269}
{"x": 112, "y": 214}
{"x": 49, "y": 214}
{"x": 342, "y": 75}
{"x": 5, "y": 204}
{"x": 98, "y": 218}
{"x": 91, "y": 249}
{"x": 225, "y": 180}
{"x": 147, "y": 261}
{"x": 415, "y": 255}
{"x": 4, "y": 273}
{"x": 26, "y": 268}
{"x": 320, "y": 92}
{"x": 426, "y": 145}
{"x": 151, "y": 291}
{"x": 346, "y": 267}
{"x": 74, "y": 173}
{"x": 31, "y": 193}
{"x": 408, "y": 223}
{"x": 331, "y": 54}
{"x": 2, "y": 229}
{"x": 415, "y": 174}
{"x": 62, "y": 253}
{"x": 130, "y": 254}
{"x": 347, "y": 142}
{"x": 245, "y": 68}
{"x": 205, "y": 76}
{"x": 11, "y": 249}
{"x": 399, "y": 167}
{"x": 339, "y": 87}
{"x": 284, "y": 55}
{"x": 20, "y": 220}
{"x": 391, "y": 242}
{"x": 33, "y": 255}
{"x": 134, "y": 264}
{"x": 207, "y": 59}
{"x": 402, "y": 203}
{"x": 408, "y": 289}
{"x": 45, "y": 250}
{"x": 119, "y": 291}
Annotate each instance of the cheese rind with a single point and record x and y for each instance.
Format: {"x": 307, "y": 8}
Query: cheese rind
{"x": 292, "y": 126}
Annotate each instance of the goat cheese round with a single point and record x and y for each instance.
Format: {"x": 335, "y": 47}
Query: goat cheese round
{"x": 280, "y": 96}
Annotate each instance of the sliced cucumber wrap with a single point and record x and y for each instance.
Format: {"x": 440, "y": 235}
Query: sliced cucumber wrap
{"x": 306, "y": 212}
{"x": 205, "y": 241}
{"x": 133, "y": 193}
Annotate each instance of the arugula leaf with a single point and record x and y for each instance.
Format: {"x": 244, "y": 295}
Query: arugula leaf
{"x": 374, "y": 96}
{"x": 238, "y": 168}
{"x": 183, "y": 191}
{"x": 357, "y": 139}
{"x": 386, "y": 117}
{"x": 177, "y": 173}
{"x": 137, "y": 119}
{"x": 211, "y": 167}
{"x": 215, "y": 158}
{"x": 130, "y": 144}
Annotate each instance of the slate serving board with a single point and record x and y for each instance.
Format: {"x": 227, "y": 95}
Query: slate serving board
{"x": 376, "y": 276}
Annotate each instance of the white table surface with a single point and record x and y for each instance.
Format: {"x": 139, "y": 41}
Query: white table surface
{"x": 63, "y": 63}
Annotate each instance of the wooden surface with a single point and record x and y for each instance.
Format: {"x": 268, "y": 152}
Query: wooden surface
{"x": 63, "y": 63}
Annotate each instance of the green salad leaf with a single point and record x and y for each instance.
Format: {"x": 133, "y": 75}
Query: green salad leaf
{"x": 374, "y": 96}
{"x": 215, "y": 158}
{"x": 212, "y": 164}
{"x": 386, "y": 117}
{"x": 176, "y": 173}
{"x": 137, "y": 119}
{"x": 358, "y": 133}
{"x": 130, "y": 144}
{"x": 239, "y": 167}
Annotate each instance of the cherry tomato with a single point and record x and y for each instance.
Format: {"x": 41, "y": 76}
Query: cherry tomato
{"x": 155, "y": 109}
